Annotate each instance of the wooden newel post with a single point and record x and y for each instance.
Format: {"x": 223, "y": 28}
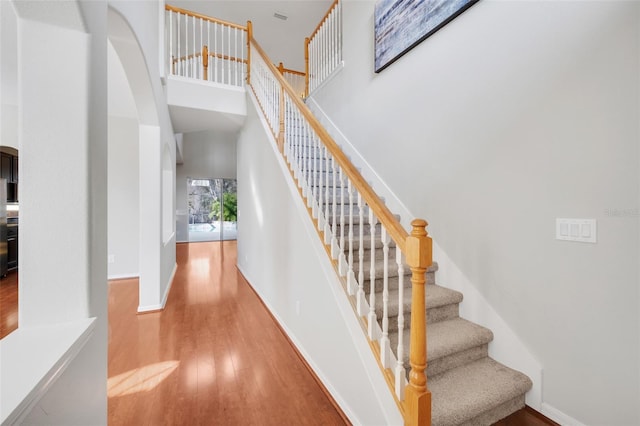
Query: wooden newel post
{"x": 281, "y": 68}
{"x": 205, "y": 63}
{"x": 249, "y": 38}
{"x": 306, "y": 67}
{"x": 419, "y": 258}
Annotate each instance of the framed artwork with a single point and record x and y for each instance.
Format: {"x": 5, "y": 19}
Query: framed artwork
{"x": 400, "y": 25}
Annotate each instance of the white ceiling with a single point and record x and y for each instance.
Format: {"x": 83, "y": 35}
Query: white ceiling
{"x": 282, "y": 40}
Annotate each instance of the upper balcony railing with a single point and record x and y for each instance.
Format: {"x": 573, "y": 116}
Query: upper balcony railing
{"x": 323, "y": 49}
{"x": 206, "y": 48}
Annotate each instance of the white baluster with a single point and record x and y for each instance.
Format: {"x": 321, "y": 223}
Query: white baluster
{"x": 327, "y": 202}
{"x": 215, "y": 53}
{"x": 385, "y": 344}
{"x": 195, "y": 49}
{"x": 342, "y": 262}
{"x": 210, "y": 51}
{"x": 351, "y": 279}
{"x": 315, "y": 161}
{"x": 400, "y": 373}
{"x": 340, "y": 31}
{"x": 361, "y": 303}
{"x": 229, "y": 55}
{"x": 179, "y": 63}
{"x": 334, "y": 224}
{"x": 372, "y": 318}
{"x": 322, "y": 219}
{"x": 170, "y": 42}
{"x": 333, "y": 39}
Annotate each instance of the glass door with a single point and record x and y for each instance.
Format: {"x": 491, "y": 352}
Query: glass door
{"x": 212, "y": 209}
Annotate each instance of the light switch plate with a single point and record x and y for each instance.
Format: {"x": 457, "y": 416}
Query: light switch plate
{"x": 581, "y": 230}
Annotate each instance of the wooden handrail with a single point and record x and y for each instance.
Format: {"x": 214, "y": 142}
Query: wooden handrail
{"x": 211, "y": 55}
{"x": 294, "y": 72}
{"x": 381, "y": 211}
{"x": 205, "y": 17}
{"x": 324, "y": 18}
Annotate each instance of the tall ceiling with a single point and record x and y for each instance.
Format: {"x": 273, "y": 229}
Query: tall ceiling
{"x": 283, "y": 40}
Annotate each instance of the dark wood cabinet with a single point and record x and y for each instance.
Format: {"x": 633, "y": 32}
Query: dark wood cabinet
{"x": 6, "y": 166}
{"x": 12, "y": 247}
{"x": 14, "y": 169}
{"x": 9, "y": 167}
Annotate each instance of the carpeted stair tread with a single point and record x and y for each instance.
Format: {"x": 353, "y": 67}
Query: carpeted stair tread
{"x": 472, "y": 390}
{"x": 449, "y": 338}
{"x": 436, "y": 296}
{"x": 456, "y": 335}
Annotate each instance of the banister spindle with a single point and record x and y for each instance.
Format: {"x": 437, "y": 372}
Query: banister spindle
{"x": 400, "y": 374}
{"x": 385, "y": 344}
{"x": 342, "y": 261}
{"x": 372, "y": 319}
{"x": 306, "y": 66}
{"x": 327, "y": 204}
{"x": 280, "y": 116}
{"x": 334, "y": 212}
{"x": 195, "y": 49}
{"x": 417, "y": 396}
{"x": 170, "y": 55}
{"x": 316, "y": 161}
{"x": 361, "y": 299}
{"x": 249, "y": 37}
{"x": 351, "y": 279}
{"x": 229, "y": 54}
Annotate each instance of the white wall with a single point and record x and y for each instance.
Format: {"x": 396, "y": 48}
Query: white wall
{"x": 134, "y": 30}
{"x": 8, "y": 76}
{"x": 63, "y": 155}
{"x": 297, "y": 275}
{"x": 124, "y": 193}
{"x": 124, "y": 182}
{"x": 514, "y": 114}
{"x": 206, "y": 154}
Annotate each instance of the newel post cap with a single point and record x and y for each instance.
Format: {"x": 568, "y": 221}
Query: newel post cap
{"x": 419, "y": 245}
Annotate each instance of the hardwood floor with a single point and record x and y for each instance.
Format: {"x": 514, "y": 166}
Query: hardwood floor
{"x": 526, "y": 417}
{"x": 8, "y": 303}
{"x": 214, "y": 356}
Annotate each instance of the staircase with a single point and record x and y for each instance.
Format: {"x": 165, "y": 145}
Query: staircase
{"x": 368, "y": 246}
{"x": 468, "y": 387}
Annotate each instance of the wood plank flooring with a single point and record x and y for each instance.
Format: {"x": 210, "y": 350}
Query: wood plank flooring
{"x": 214, "y": 356}
{"x": 526, "y": 417}
{"x": 8, "y": 303}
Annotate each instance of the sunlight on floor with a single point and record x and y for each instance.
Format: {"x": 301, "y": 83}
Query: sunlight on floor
{"x": 141, "y": 379}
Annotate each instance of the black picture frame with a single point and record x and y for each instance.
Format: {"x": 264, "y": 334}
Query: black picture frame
{"x": 400, "y": 25}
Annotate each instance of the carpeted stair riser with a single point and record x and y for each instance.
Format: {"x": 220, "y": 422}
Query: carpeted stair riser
{"x": 450, "y": 344}
{"x": 392, "y": 267}
{"x": 497, "y": 413}
{"x": 446, "y": 308}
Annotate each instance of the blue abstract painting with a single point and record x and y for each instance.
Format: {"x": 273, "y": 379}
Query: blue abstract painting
{"x": 401, "y": 24}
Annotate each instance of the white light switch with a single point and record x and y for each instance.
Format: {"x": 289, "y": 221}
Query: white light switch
{"x": 582, "y": 230}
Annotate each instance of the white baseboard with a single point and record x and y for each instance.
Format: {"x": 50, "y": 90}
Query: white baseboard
{"x": 558, "y": 416}
{"x": 168, "y": 289}
{"x": 160, "y": 306}
{"x": 123, "y": 276}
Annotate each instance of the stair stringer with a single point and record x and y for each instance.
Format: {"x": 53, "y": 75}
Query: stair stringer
{"x": 333, "y": 343}
{"x": 506, "y": 348}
